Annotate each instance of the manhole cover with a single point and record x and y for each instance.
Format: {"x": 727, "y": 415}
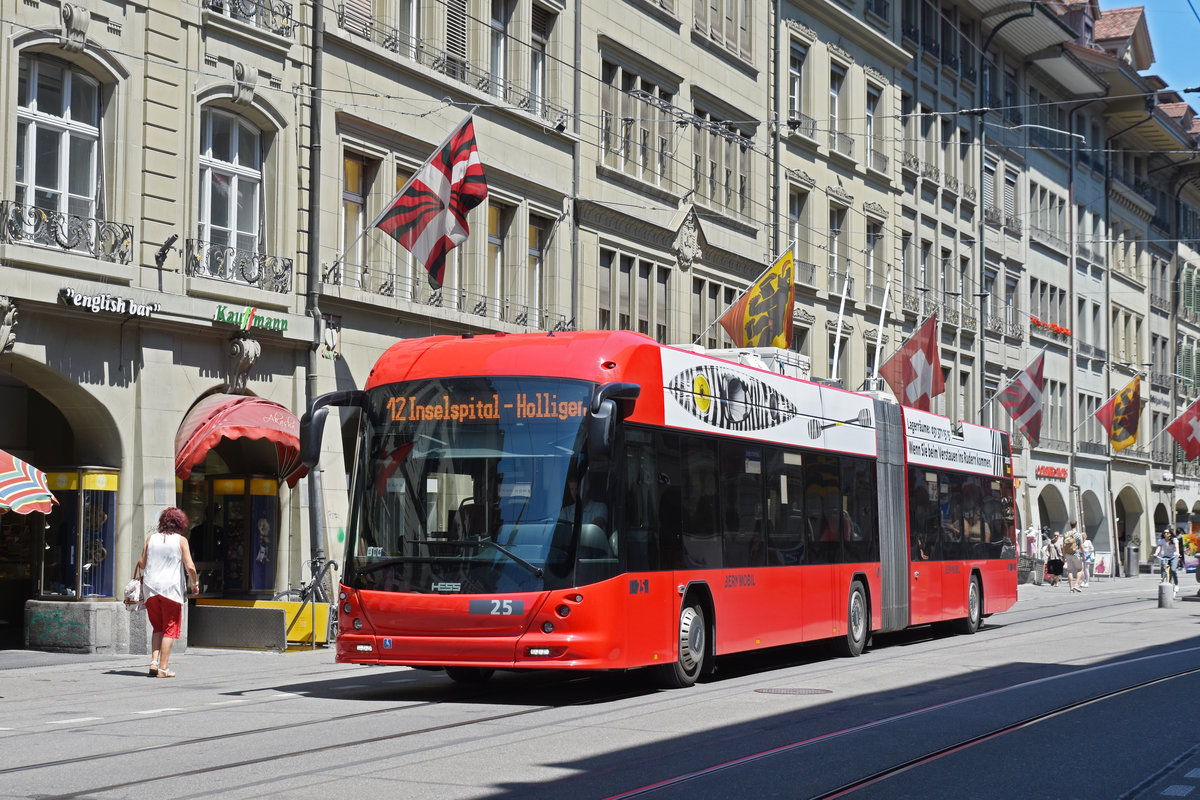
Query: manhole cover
{"x": 793, "y": 691}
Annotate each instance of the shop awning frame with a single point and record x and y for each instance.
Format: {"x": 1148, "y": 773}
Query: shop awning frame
{"x": 235, "y": 416}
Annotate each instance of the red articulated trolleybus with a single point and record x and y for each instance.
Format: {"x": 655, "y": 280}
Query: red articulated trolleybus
{"x": 595, "y": 500}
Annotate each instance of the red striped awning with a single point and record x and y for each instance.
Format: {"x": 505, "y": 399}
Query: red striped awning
{"x": 235, "y": 416}
{"x": 23, "y": 487}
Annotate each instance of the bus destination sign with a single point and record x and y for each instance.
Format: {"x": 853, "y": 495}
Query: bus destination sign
{"x": 522, "y": 405}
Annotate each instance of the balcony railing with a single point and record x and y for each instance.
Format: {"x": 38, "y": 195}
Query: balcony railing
{"x": 269, "y": 15}
{"x": 1013, "y": 223}
{"x": 840, "y": 142}
{"x": 951, "y": 183}
{"x": 834, "y": 281}
{"x": 993, "y": 215}
{"x": 1092, "y": 448}
{"x": 1083, "y": 348}
{"x": 911, "y": 301}
{"x": 875, "y": 295}
{"x": 931, "y": 172}
{"x": 806, "y": 273}
{"x": 455, "y": 66}
{"x": 1084, "y": 252}
{"x": 879, "y": 162}
{"x": 1054, "y": 444}
{"x": 911, "y": 162}
{"x": 995, "y": 323}
{"x": 101, "y": 239}
{"x": 802, "y": 124}
{"x": 272, "y": 273}
{"x": 1159, "y": 302}
{"x": 389, "y": 283}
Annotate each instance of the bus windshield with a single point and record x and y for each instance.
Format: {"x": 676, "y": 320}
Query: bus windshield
{"x": 467, "y": 485}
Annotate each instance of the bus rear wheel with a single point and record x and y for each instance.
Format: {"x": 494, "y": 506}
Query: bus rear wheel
{"x": 974, "y": 618}
{"x": 858, "y": 624}
{"x": 692, "y": 649}
{"x": 469, "y": 675}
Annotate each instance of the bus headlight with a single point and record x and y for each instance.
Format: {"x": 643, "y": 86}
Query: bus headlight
{"x": 547, "y": 627}
{"x": 357, "y": 624}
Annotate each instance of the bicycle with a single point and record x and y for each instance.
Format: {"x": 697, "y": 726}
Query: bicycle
{"x": 1167, "y": 571}
{"x": 316, "y": 591}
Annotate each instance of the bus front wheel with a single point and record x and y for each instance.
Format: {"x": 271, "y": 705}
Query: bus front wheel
{"x": 858, "y": 624}
{"x": 692, "y": 649}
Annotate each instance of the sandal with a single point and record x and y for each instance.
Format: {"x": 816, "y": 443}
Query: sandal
{"x": 166, "y": 673}
{"x": 153, "y": 673}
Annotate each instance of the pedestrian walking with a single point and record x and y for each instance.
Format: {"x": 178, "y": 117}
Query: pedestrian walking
{"x": 165, "y": 556}
{"x": 1073, "y": 557}
{"x": 1089, "y": 558}
{"x": 1054, "y": 559}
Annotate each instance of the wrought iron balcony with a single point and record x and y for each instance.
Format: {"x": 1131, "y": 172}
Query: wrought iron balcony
{"x": 387, "y": 282}
{"x": 911, "y": 301}
{"x": 911, "y": 162}
{"x": 930, "y": 171}
{"x": 951, "y": 183}
{"x": 802, "y": 124}
{"x": 1083, "y": 348}
{"x": 1092, "y": 448}
{"x": 879, "y": 162}
{"x": 834, "y": 281}
{"x": 993, "y": 215}
{"x": 526, "y": 96}
{"x": 101, "y": 239}
{"x": 875, "y": 295}
{"x": 1159, "y": 302}
{"x": 271, "y": 273}
{"x": 269, "y": 15}
{"x": 806, "y": 273}
{"x": 1060, "y": 445}
{"x": 1013, "y": 223}
{"x": 840, "y": 142}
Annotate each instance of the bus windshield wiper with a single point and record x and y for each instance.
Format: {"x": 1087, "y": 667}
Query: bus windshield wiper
{"x": 533, "y": 568}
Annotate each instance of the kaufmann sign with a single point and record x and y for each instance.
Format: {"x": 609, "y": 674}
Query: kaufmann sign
{"x": 248, "y": 318}
{"x": 106, "y": 302}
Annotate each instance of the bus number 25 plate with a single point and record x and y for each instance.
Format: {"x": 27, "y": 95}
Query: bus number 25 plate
{"x": 499, "y": 608}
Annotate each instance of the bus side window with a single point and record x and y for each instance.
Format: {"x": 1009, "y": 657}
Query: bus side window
{"x": 640, "y": 532}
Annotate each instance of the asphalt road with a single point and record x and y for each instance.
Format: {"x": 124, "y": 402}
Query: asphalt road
{"x": 1067, "y": 695}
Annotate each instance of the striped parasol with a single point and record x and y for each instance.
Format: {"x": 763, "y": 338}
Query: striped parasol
{"x": 22, "y": 487}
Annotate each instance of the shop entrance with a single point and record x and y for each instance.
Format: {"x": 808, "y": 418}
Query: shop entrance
{"x": 17, "y": 569}
{"x": 235, "y": 532}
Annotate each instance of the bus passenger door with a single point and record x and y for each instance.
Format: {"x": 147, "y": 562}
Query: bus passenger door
{"x": 925, "y": 591}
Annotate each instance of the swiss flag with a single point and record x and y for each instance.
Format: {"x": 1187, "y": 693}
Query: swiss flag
{"x": 1186, "y": 430}
{"x": 1023, "y": 399}
{"x": 914, "y": 372}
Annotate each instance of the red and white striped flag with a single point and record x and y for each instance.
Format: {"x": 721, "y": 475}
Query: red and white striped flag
{"x": 429, "y": 215}
{"x": 1023, "y": 399}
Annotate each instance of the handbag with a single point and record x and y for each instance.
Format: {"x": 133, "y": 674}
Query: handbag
{"x": 135, "y": 593}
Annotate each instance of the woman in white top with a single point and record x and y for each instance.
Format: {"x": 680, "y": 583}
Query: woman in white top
{"x": 1168, "y": 552}
{"x": 165, "y": 551}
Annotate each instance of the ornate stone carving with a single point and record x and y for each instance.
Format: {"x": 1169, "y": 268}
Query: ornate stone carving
{"x": 802, "y": 315}
{"x": 870, "y": 335}
{"x": 840, "y": 52}
{"x": 840, "y": 193}
{"x": 874, "y": 74}
{"x": 800, "y": 29}
{"x": 687, "y": 241}
{"x": 8, "y": 324}
{"x": 801, "y": 177}
{"x": 244, "y": 79}
{"x": 75, "y": 24}
{"x": 875, "y": 209}
{"x": 831, "y": 325}
{"x": 243, "y": 352}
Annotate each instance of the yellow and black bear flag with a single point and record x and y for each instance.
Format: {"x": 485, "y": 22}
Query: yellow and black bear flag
{"x": 762, "y": 317}
{"x": 1120, "y": 415}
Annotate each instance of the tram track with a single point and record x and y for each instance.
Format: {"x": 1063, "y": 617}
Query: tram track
{"x": 877, "y": 776}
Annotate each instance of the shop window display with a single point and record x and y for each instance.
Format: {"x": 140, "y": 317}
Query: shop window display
{"x": 235, "y": 545}
{"x": 79, "y": 541}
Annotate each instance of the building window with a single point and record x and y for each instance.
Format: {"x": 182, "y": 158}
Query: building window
{"x": 58, "y": 135}
{"x": 230, "y": 182}
{"x": 354, "y": 211}
{"x": 636, "y": 129}
{"x": 498, "y": 278}
{"x": 535, "y": 262}
{"x": 498, "y": 47}
{"x": 542, "y": 21}
{"x": 726, "y": 23}
{"x": 408, "y": 28}
{"x": 721, "y": 164}
{"x": 796, "y": 81}
{"x": 798, "y": 229}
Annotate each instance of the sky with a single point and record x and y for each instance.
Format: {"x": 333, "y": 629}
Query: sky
{"x": 1174, "y": 33}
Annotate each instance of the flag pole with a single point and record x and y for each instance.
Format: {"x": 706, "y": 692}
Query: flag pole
{"x": 887, "y": 288}
{"x": 337, "y": 262}
{"x": 770, "y": 267}
{"x": 837, "y": 336}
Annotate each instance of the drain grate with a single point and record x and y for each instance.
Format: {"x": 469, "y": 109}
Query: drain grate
{"x": 793, "y": 691}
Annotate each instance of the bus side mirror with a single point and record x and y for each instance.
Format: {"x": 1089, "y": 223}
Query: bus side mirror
{"x": 312, "y": 424}
{"x": 611, "y": 403}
